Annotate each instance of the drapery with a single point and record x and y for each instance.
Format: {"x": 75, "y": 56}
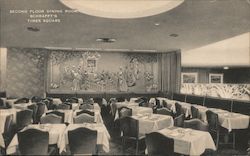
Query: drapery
{"x": 170, "y": 71}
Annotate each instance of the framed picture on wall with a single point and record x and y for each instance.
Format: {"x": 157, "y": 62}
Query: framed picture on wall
{"x": 189, "y": 77}
{"x": 215, "y": 78}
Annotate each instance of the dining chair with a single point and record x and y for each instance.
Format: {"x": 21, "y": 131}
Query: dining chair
{"x": 40, "y": 111}
{"x": 159, "y": 145}
{"x": 86, "y": 106}
{"x": 178, "y": 109}
{"x": 36, "y": 99}
{"x": 130, "y": 131}
{"x": 72, "y": 100}
{"x": 179, "y": 121}
{"x": 164, "y": 111}
{"x": 120, "y": 99}
{"x": 61, "y": 114}
{"x": 194, "y": 112}
{"x": 84, "y": 118}
{"x": 85, "y": 111}
{"x": 82, "y": 141}
{"x": 98, "y": 100}
{"x": 8, "y": 133}
{"x": 48, "y": 103}
{"x": 124, "y": 111}
{"x": 158, "y": 103}
{"x": 34, "y": 142}
{"x": 22, "y": 100}
{"x": 34, "y": 108}
{"x": 63, "y": 106}
{"x": 23, "y": 118}
{"x": 51, "y": 119}
{"x": 196, "y": 124}
{"x": 215, "y": 128}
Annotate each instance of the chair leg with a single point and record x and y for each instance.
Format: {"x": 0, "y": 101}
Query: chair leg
{"x": 217, "y": 140}
{"x": 136, "y": 150}
{"x": 233, "y": 140}
{"x": 123, "y": 144}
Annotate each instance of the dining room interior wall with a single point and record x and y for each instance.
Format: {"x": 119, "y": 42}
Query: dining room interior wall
{"x": 25, "y": 72}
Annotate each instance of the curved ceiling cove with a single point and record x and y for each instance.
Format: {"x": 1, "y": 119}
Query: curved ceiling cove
{"x": 122, "y": 9}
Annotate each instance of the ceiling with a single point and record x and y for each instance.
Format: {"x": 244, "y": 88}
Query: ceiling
{"x": 197, "y": 23}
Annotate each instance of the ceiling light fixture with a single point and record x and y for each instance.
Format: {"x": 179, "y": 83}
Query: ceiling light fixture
{"x": 121, "y": 9}
{"x": 226, "y": 68}
{"x": 105, "y": 40}
{"x": 174, "y": 35}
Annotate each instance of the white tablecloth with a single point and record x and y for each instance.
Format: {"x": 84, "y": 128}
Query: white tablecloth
{"x": 188, "y": 141}
{"x": 56, "y": 132}
{"x": 4, "y": 113}
{"x": 153, "y": 122}
{"x": 102, "y": 135}
{"x": 137, "y": 110}
{"x": 57, "y": 101}
{"x": 232, "y": 121}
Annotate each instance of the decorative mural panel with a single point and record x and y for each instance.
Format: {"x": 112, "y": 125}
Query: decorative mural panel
{"x": 231, "y": 91}
{"x": 103, "y": 71}
{"x": 25, "y": 72}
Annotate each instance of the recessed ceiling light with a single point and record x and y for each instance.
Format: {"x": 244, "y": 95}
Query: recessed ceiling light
{"x": 157, "y": 24}
{"x": 174, "y": 35}
{"x": 105, "y": 40}
{"x": 35, "y": 29}
{"x": 225, "y": 68}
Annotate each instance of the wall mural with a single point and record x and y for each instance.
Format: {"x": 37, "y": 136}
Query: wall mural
{"x": 231, "y": 91}
{"x": 105, "y": 72}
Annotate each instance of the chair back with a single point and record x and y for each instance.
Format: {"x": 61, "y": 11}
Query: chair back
{"x": 33, "y": 142}
{"x": 120, "y": 99}
{"x": 34, "y": 108}
{"x": 82, "y": 141}
{"x": 22, "y": 100}
{"x": 51, "y": 119}
{"x": 194, "y": 112}
{"x": 63, "y": 106}
{"x": 98, "y": 100}
{"x": 124, "y": 111}
{"x": 196, "y": 124}
{"x": 113, "y": 109}
{"x": 84, "y": 118}
{"x": 23, "y": 118}
{"x": 213, "y": 120}
{"x": 158, "y": 104}
{"x": 129, "y": 127}
{"x": 8, "y": 122}
{"x": 86, "y": 106}
{"x": 72, "y": 100}
{"x": 36, "y": 99}
{"x": 164, "y": 111}
{"x": 179, "y": 121}
{"x": 178, "y": 108}
{"x": 159, "y": 145}
{"x": 40, "y": 110}
{"x": 85, "y": 111}
{"x": 61, "y": 114}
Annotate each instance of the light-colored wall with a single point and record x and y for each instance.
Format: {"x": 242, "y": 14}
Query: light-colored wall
{"x": 229, "y": 52}
{"x": 3, "y": 62}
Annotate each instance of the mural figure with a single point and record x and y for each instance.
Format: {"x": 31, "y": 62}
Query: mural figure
{"x": 77, "y": 78}
{"x": 122, "y": 84}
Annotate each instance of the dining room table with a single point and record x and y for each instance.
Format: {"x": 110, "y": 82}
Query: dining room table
{"x": 152, "y": 122}
{"x": 136, "y": 110}
{"x": 103, "y": 135}
{"x": 189, "y": 141}
{"x": 55, "y": 131}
